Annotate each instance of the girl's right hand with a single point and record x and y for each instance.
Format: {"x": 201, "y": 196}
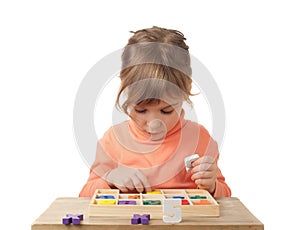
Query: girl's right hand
{"x": 128, "y": 180}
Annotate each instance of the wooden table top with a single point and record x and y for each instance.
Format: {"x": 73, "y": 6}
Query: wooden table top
{"x": 233, "y": 215}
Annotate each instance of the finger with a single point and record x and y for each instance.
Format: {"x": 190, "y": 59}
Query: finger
{"x": 122, "y": 188}
{"x": 118, "y": 184}
{"x": 144, "y": 181}
{"x": 204, "y": 183}
{"x": 124, "y": 184}
{"x": 129, "y": 184}
{"x": 196, "y": 162}
{"x": 137, "y": 183}
{"x": 203, "y": 168}
{"x": 201, "y": 186}
{"x": 203, "y": 160}
{"x": 202, "y": 175}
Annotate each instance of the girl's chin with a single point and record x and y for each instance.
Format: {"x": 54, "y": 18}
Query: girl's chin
{"x": 157, "y": 136}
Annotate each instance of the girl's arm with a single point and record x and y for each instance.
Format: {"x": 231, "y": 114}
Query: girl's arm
{"x": 94, "y": 182}
{"x": 102, "y": 165}
{"x": 209, "y": 148}
{"x": 222, "y": 189}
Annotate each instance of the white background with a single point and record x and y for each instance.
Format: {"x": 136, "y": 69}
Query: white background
{"x": 250, "y": 47}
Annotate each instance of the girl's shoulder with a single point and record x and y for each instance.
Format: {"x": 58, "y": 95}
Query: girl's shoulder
{"x": 112, "y": 130}
{"x": 194, "y": 125}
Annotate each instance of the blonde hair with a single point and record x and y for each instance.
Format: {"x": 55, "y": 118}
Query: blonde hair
{"x": 155, "y": 53}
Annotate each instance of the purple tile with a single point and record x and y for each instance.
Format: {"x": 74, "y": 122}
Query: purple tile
{"x": 147, "y": 216}
{"x": 144, "y": 220}
{"x": 135, "y": 220}
{"x": 140, "y": 219}
{"x": 136, "y": 216}
{"x": 67, "y": 220}
{"x": 71, "y": 218}
{"x": 127, "y": 202}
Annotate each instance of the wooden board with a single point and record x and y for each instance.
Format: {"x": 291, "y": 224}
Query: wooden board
{"x": 233, "y": 215}
{"x": 197, "y": 203}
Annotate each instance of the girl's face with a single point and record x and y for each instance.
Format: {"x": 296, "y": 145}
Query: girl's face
{"x": 156, "y": 119}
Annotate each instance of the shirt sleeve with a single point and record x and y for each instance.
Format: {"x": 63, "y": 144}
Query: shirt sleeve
{"x": 101, "y": 166}
{"x": 209, "y": 147}
{"x": 222, "y": 189}
{"x": 94, "y": 182}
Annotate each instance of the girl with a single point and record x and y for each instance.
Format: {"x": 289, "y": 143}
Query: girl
{"x": 147, "y": 152}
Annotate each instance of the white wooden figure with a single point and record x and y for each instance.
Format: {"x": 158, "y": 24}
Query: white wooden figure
{"x": 189, "y": 160}
{"x": 172, "y": 210}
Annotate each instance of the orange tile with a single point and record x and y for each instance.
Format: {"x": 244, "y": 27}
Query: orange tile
{"x": 201, "y": 202}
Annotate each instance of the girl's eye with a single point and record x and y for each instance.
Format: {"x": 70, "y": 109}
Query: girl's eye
{"x": 166, "y": 112}
{"x": 140, "y": 111}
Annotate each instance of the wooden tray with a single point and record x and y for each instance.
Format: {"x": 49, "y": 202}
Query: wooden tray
{"x": 197, "y": 203}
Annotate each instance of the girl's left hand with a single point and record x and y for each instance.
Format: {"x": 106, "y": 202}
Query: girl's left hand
{"x": 204, "y": 173}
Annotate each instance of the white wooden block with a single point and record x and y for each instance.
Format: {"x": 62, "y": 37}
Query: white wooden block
{"x": 189, "y": 160}
{"x": 172, "y": 211}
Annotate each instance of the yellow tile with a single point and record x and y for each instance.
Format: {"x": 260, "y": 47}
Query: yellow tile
{"x": 105, "y": 201}
{"x": 154, "y": 192}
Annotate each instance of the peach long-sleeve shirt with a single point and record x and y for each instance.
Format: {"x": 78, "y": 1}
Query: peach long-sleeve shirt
{"x": 162, "y": 162}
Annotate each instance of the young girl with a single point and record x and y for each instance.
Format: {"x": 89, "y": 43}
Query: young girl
{"x": 147, "y": 152}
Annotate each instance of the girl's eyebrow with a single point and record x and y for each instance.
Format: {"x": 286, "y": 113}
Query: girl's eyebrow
{"x": 172, "y": 105}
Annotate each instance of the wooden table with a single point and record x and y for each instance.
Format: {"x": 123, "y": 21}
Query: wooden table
{"x": 234, "y": 215}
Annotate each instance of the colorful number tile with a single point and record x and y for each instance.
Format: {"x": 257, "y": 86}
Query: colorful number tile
{"x": 127, "y": 202}
{"x": 106, "y": 202}
{"x": 178, "y": 197}
{"x": 110, "y": 197}
{"x": 140, "y": 219}
{"x": 184, "y": 202}
{"x": 201, "y": 202}
{"x": 152, "y": 202}
{"x": 155, "y": 192}
{"x": 198, "y": 197}
{"x": 172, "y": 211}
{"x": 133, "y": 196}
{"x": 72, "y": 219}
